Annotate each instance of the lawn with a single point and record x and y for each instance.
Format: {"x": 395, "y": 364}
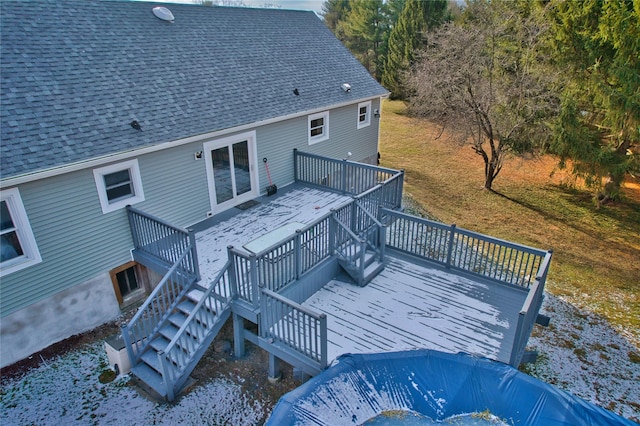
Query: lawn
{"x": 596, "y": 264}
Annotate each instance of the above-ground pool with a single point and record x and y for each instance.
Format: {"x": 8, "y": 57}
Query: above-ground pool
{"x": 425, "y": 387}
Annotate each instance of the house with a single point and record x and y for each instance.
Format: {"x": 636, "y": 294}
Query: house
{"x": 177, "y": 111}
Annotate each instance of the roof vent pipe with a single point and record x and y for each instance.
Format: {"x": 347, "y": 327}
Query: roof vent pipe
{"x": 163, "y": 13}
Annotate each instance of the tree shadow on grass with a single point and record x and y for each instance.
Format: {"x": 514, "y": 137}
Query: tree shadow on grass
{"x": 626, "y": 214}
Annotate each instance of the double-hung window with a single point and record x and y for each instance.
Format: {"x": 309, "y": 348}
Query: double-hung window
{"x": 18, "y": 247}
{"x": 364, "y": 114}
{"x": 119, "y": 185}
{"x": 318, "y": 127}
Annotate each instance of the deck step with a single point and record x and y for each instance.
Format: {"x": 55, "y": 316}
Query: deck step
{"x": 160, "y": 343}
{"x": 370, "y": 271}
{"x": 169, "y": 331}
{"x": 150, "y": 379}
{"x": 186, "y": 306}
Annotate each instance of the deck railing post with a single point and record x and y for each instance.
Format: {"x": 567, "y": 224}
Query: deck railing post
{"x": 323, "y": 341}
{"x": 132, "y": 226}
{"x": 452, "y": 240}
{"x": 343, "y": 182}
{"x": 398, "y": 195}
{"x": 332, "y": 232}
{"x": 354, "y": 213}
{"x": 382, "y": 235}
{"x": 297, "y": 248}
{"x": 233, "y": 278}
{"x": 255, "y": 288}
{"x": 295, "y": 165}
{"x": 124, "y": 331}
{"x": 168, "y": 381}
{"x": 363, "y": 253}
{"x": 194, "y": 252}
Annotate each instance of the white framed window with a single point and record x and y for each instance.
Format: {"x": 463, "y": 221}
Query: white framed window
{"x": 18, "y": 248}
{"x": 318, "y": 127}
{"x": 119, "y": 185}
{"x": 364, "y": 114}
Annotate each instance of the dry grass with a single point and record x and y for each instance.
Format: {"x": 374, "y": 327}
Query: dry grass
{"x": 596, "y": 250}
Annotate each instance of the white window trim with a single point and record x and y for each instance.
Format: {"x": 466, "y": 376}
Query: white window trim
{"x": 325, "y": 133}
{"x": 27, "y": 240}
{"x": 367, "y": 121}
{"x": 136, "y": 180}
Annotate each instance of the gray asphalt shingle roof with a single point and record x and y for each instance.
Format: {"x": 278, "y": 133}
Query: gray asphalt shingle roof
{"x": 75, "y": 74}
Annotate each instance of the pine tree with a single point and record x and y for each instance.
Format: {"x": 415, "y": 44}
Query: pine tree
{"x": 364, "y": 30}
{"x": 597, "y": 42}
{"x": 406, "y": 37}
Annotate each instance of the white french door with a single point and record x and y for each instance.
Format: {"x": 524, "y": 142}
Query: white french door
{"x": 231, "y": 170}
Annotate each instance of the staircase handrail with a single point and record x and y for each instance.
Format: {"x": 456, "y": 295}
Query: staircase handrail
{"x": 146, "y": 307}
{"x": 221, "y": 304}
{"x": 358, "y": 248}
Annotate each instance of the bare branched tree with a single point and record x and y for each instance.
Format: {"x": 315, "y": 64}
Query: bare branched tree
{"x": 485, "y": 82}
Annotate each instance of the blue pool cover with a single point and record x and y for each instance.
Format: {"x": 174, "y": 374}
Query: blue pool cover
{"x": 436, "y": 385}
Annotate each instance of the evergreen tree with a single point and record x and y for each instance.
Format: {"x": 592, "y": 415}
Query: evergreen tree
{"x": 406, "y": 37}
{"x": 335, "y": 11}
{"x": 364, "y": 29}
{"x": 597, "y": 44}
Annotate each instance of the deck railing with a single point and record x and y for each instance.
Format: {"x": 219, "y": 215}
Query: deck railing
{"x": 297, "y": 328}
{"x": 162, "y": 241}
{"x": 283, "y": 263}
{"x": 196, "y": 331}
{"x": 464, "y": 250}
{"x": 529, "y": 312}
{"x": 157, "y": 308}
{"x": 348, "y": 177}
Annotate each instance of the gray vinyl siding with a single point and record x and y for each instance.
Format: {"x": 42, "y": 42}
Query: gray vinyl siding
{"x": 175, "y": 185}
{"x": 78, "y": 242}
{"x": 277, "y": 141}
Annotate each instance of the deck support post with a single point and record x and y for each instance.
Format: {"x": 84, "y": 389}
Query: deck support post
{"x": 238, "y": 336}
{"x": 295, "y": 165}
{"x": 274, "y": 368}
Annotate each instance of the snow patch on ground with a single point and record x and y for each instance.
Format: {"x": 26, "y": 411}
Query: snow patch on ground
{"x": 66, "y": 391}
{"x": 580, "y": 353}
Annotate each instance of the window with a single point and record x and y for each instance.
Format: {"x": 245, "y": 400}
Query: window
{"x": 364, "y": 114}
{"x": 128, "y": 282}
{"x": 118, "y": 185}
{"x": 318, "y": 127}
{"x": 18, "y": 247}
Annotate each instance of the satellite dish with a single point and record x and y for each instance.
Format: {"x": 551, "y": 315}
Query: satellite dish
{"x": 163, "y": 13}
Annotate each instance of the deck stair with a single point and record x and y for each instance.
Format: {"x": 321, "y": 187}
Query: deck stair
{"x": 362, "y": 266}
{"x": 173, "y": 345}
{"x": 360, "y": 247}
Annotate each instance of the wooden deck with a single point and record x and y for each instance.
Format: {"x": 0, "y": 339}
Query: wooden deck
{"x": 238, "y": 227}
{"x": 408, "y": 306}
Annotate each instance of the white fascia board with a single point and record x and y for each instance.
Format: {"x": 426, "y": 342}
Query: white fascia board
{"x": 125, "y": 155}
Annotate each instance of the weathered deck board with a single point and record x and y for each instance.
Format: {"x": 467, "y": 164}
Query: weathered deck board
{"x": 298, "y": 204}
{"x": 409, "y": 306}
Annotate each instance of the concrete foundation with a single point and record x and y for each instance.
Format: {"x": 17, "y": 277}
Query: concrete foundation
{"x": 51, "y": 320}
